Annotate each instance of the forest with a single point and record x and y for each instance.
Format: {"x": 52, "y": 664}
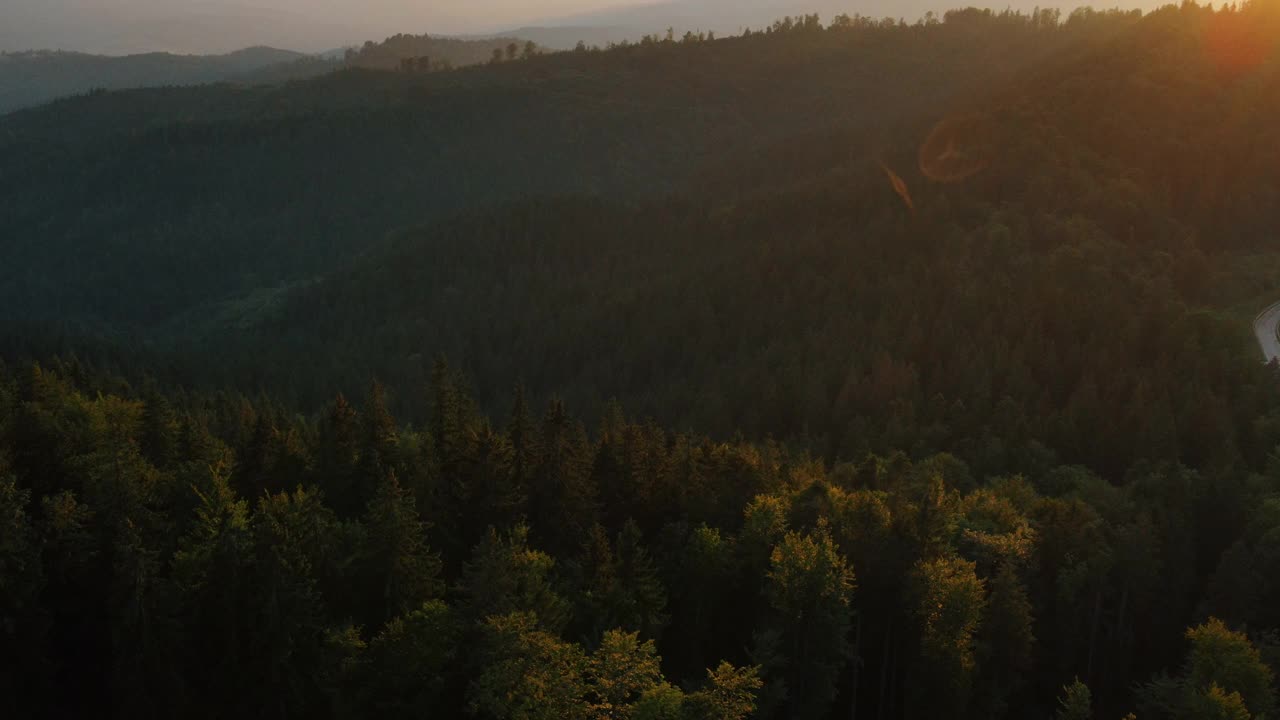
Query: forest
{"x": 424, "y": 53}
{"x": 860, "y": 368}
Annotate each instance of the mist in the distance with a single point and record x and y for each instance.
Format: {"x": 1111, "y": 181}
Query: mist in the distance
{"x": 118, "y": 27}
{"x": 214, "y": 26}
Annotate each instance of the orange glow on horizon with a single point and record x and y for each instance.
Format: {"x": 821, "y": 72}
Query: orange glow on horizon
{"x": 1235, "y": 45}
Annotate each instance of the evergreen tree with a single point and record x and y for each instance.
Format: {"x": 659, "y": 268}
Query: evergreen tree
{"x": 1076, "y": 702}
{"x": 338, "y": 456}
{"x": 949, "y": 601}
{"x": 524, "y": 444}
{"x": 618, "y": 586}
{"x": 213, "y": 590}
{"x": 506, "y": 576}
{"x": 619, "y": 673}
{"x": 1223, "y": 677}
{"x": 409, "y": 666}
{"x": 730, "y": 694}
{"x": 1004, "y": 643}
{"x": 527, "y": 673}
{"x": 20, "y": 583}
{"x": 809, "y": 586}
{"x": 562, "y": 498}
{"x": 401, "y": 571}
{"x": 160, "y": 428}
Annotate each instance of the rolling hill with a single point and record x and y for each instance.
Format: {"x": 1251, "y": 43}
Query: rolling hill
{"x": 894, "y": 370}
{"x": 34, "y": 78}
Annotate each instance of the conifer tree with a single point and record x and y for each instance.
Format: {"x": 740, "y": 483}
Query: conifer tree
{"x": 562, "y": 498}
{"x": 338, "y": 457}
{"x": 1076, "y": 702}
{"x": 809, "y": 588}
{"x": 505, "y": 575}
{"x": 527, "y": 673}
{"x": 379, "y": 450}
{"x": 1004, "y": 644}
{"x": 948, "y": 600}
{"x": 213, "y": 586}
{"x": 401, "y": 570}
{"x": 409, "y": 666}
{"x": 21, "y": 579}
{"x": 620, "y": 671}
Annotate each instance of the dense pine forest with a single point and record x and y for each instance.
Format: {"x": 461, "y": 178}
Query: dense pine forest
{"x": 859, "y": 368}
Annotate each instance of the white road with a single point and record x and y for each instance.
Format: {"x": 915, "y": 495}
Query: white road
{"x": 1266, "y": 327}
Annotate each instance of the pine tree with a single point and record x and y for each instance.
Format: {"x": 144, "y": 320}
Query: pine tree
{"x": 213, "y": 588}
{"x": 1005, "y": 642}
{"x": 448, "y": 423}
{"x": 809, "y": 587}
{"x": 643, "y": 602}
{"x": 401, "y": 570}
{"x": 268, "y": 464}
{"x": 507, "y": 576}
{"x": 21, "y": 579}
{"x": 494, "y": 498}
{"x": 159, "y": 442}
{"x": 524, "y": 443}
{"x": 562, "y": 498}
{"x": 338, "y": 457}
{"x": 527, "y": 673}
{"x": 1076, "y": 702}
{"x": 730, "y": 694}
{"x": 292, "y": 539}
{"x": 408, "y": 666}
{"x": 618, "y": 673}
{"x": 379, "y": 450}
{"x": 143, "y": 634}
{"x": 948, "y": 602}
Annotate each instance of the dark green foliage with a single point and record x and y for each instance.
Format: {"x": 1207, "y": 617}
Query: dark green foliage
{"x": 266, "y": 189}
{"x": 616, "y": 585}
{"x": 528, "y": 673}
{"x": 1076, "y": 702}
{"x": 400, "y": 572}
{"x": 1024, "y": 411}
{"x": 215, "y": 608}
{"x": 1223, "y": 676}
{"x": 507, "y": 576}
{"x": 21, "y": 576}
{"x": 407, "y": 669}
{"x": 809, "y": 587}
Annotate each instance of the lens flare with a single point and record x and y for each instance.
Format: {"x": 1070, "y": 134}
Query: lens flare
{"x": 956, "y": 149}
{"x": 899, "y": 186}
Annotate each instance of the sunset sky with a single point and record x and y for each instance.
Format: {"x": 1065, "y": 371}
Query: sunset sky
{"x": 205, "y": 26}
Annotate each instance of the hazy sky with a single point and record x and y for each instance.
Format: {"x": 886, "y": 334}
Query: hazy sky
{"x": 203, "y": 26}
{"x": 198, "y": 25}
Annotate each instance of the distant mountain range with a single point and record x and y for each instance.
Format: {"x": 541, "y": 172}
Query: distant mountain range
{"x": 203, "y": 27}
{"x": 218, "y": 26}
{"x": 33, "y": 78}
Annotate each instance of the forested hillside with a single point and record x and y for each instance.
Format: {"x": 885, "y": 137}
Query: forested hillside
{"x": 848, "y": 369}
{"x": 426, "y": 53}
{"x": 267, "y": 187}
